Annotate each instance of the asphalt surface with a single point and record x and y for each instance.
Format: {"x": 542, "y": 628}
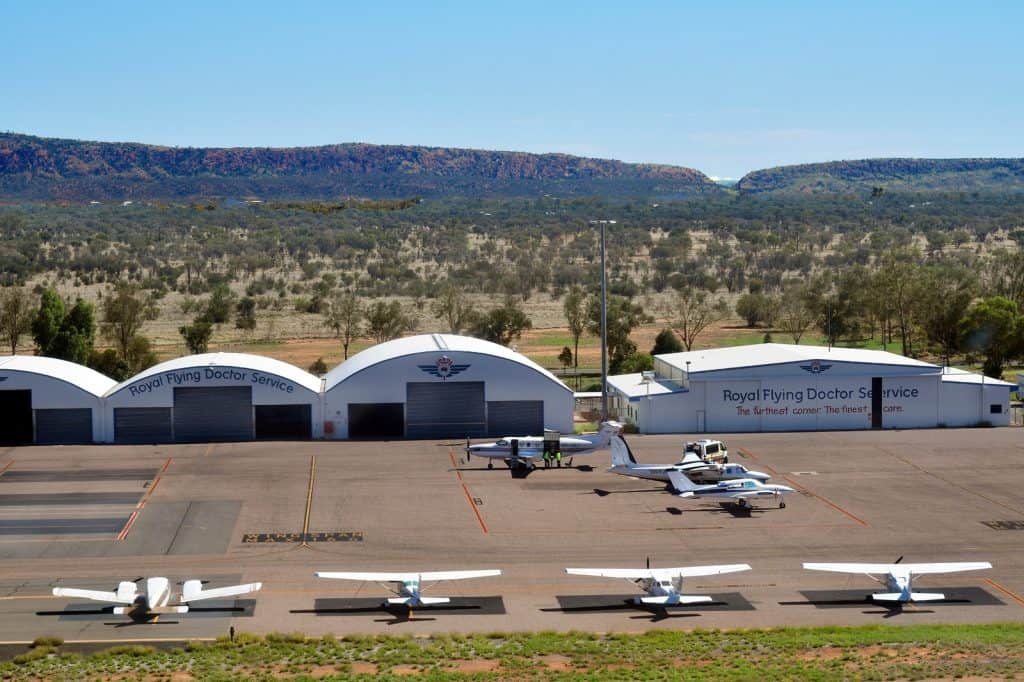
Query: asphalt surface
{"x": 183, "y": 511}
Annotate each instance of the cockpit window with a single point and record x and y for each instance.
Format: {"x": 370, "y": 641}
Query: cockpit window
{"x": 502, "y": 442}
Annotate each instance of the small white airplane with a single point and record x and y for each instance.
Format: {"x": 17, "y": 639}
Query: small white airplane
{"x": 740, "y": 491}
{"x": 662, "y": 585}
{"x": 525, "y": 451}
{"x": 409, "y": 586}
{"x": 696, "y": 469}
{"x": 898, "y": 577}
{"x": 157, "y": 597}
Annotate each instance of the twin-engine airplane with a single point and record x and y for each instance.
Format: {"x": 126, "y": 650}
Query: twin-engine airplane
{"x": 157, "y": 597}
{"x": 741, "y": 492}
{"x": 409, "y": 586}
{"x": 525, "y": 451}
{"x": 662, "y": 585}
{"x": 696, "y": 469}
{"x": 898, "y": 577}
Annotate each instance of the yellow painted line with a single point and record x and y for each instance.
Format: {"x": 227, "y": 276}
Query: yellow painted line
{"x": 826, "y": 501}
{"x": 6, "y": 467}
{"x": 138, "y": 640}
{"x": 469, "y": 496}
{"x": 309, "y": 499}
{"x": 750, "y": 455}
{"x": 1010, "y": 593}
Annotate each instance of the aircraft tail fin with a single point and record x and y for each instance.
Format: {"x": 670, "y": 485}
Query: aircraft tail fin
{"x": 622, "y": 456}
{"x": 603, "y": 437}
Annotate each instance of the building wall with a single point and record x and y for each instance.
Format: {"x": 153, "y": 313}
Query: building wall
{"x": 158, "y": 391}
{"x": 504, "y": 380}
{"x": 53, "y": 394}
{"x": 963, "y": 404}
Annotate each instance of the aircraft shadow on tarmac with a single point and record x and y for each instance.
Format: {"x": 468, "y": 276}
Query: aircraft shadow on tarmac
{"x": 240, "y": 608}
{"x": 607, "y": 603}
{"x": 860, "y": 599}
{"x": 476, "y": 606}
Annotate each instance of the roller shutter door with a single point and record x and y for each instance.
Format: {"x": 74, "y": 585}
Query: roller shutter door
{"x": 515, "y": 418}
{"x": 376, "y": 420}
{"x": 15, "y": 417}
{"x": 445, "y": 409}
{"x": 213, "y": 413}
{"x": 284, "y": 422}
{"x": 142, "y": 425}
{"x": 64, "y": 426}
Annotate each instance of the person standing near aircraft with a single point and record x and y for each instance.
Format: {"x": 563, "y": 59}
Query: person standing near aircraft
{"x": 547, "y": 459}
{"x": 558, "y": 457}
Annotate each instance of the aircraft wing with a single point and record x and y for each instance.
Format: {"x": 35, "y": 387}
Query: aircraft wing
{"x": 95, "y": 595}
{"x": 407, "y": 577}
{"x": 848, "y": 567}
{"x": 193, "y": 591}
{"x": 657, "y": 573}
{"x": 948, "y": 567}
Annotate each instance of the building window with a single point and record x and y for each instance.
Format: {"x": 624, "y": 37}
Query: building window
{"x": 996, "y": 408}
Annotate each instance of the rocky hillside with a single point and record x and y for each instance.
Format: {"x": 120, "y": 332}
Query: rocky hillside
{"x": 912, "y": 175}
{"x": 35, "y": 168}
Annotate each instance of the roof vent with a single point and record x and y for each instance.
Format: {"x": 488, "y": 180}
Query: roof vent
{"x": 439, "y": 341}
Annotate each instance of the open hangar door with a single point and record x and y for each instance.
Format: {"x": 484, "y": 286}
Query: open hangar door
{"x": 206, "y": 413}
{"x": 284, "y": 422}
{"x": 16, "y": 417}
{"x": 447, "y": 409}
{"x": 376, "y": 420}
{"x": 515, "y": 418}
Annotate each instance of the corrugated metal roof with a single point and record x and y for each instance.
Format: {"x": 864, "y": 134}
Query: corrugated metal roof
{"x": 962, "y": 376}
{"x": 256, "y": 363}
{"x": 427, "y": 343}
{"x": 761, "y": 354}
{"x": 89, "y": 380}
{"x": 633, "y": 386}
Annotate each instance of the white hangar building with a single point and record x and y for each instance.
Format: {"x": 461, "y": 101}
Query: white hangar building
{"x": 215, "y": 397}
{"x": 50, "y": 401}
{"x": 781, "y": 387}
{"x": 442, "y": 386}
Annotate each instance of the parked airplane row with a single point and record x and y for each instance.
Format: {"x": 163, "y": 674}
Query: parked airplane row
{"x": 662, "y": 586}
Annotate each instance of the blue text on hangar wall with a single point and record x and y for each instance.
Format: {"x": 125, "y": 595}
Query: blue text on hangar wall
{"x": 195, "y": 376}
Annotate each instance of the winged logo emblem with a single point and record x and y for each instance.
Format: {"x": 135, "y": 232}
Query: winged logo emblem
{"x": 444, "y": 367}
{"x": 816, "y": 367}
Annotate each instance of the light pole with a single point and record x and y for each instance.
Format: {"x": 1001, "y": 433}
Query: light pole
{"x": 604, "y": 325}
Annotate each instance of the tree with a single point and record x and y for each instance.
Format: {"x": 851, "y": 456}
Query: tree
{"x": 795, "y": 315}
{"x": 197, "y": 335}
{"x": 944, "y": 296}
{"x": 108, "y": 362}
{"x": 453, "y": 307}
{"x": 666, "y": 342}
{"x": 386, "y": 321}
{"x": 695, "y": 311}
{"x": 345, "y": 317}
{"x": 76, "y": 335}
{"x": 636, "y": 363}
{"x": 124, "y": 313}
{"x": 140, "y": 354}
{"x": 995, "y": 327}
{"x": 319, "y": 367}
{"x": 245, "y": 314}
{"x": 47, "y": 320}
{"x": 576, "y": 316}
{"x": 565, "y": 357}
{"x": 751, "y": 308}
{"x": 16, "y": 316}
{"x": 623, "y": 317}
{"x": 218, "y": 308}
{"x": 501, "y": 325}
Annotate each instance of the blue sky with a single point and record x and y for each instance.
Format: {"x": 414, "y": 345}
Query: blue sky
{"x": 722, "y": 87}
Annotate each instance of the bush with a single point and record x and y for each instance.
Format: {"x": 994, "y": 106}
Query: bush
{"x": 47, "y": 640}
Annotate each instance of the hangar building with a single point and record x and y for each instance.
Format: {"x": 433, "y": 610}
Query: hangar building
{"x": 781, "y": 387}
{"x": 47, "y": 401}
{"x": 441, "y": 386}
{"x": 215, "y": 397}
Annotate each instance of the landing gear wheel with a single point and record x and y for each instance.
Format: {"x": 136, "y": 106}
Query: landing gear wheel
{"x": 490, "y": 465}
{"x": 741, "y": 503}
{"x": 782, "y": 505}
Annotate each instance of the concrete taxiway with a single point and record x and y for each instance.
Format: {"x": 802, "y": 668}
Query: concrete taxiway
{"x": 274, "y": 512}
